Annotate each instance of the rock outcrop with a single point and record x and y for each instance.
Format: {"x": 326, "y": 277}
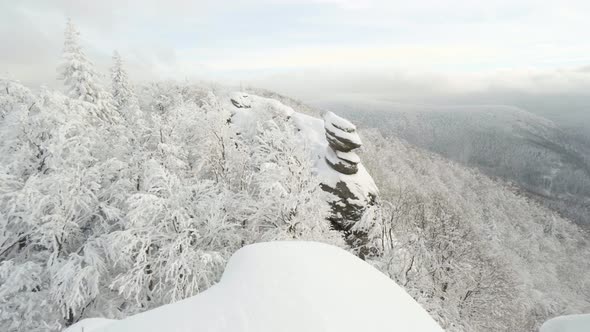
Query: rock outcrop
{"x": 332, "y": 142}
{"x": 342, "y": 139}
{"x": 343, "y": 162}
{"x": 341, "y": 133}
{"x": 241, "y": 100}
{"x": 354, "y": 189}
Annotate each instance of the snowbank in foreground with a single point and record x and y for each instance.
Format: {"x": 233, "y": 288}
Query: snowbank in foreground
{"x": 288, "y": 286}
{"x": 572, "y": 323}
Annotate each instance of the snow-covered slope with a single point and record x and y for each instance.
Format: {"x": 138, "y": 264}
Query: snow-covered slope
{"x": 571, "y": 323}
{"x": 286, "y": 286}
{"x": 503, "y": 141}
{"x": 528, "y": 263}
{"x": 248, "y": 111}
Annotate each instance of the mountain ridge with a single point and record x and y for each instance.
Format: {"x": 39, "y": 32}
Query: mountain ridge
{"x": 503, "y": 141}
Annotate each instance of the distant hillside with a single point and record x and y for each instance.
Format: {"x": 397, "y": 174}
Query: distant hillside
{"x": 109, "y": 212}
{"x": 115, "y": 201}
{"x": 474, "y": 251}
{"x": 548, "y": 163}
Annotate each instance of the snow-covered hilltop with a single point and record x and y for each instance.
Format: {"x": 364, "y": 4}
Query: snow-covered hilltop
{"x": 114, "y": 203}
{"x": 111, "y": 215}
{"x": 330, "y": 142}
{"x": 286, "y": 286}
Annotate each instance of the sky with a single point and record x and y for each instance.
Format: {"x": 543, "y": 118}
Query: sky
{"x": 314, "y": 48}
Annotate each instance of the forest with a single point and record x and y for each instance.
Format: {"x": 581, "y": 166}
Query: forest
{"x": 547, "y": 161}
{"x": 116, "y": 198}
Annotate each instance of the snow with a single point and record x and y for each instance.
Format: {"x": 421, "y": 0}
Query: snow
{"x": 341, "y": 134}
{"x": 313, "y": 134}
{"x": 240, "y": 100}
{"x": 288, "y": 286}
{"x": 312, "y": 129}
{"x": 571, "y": 323}
{"x": 331, "y": 156}
{"x": 90, "y": 324}
{"x": 339, "y": 122}
{"x": 360, "y": 184}
{"x": 349, "y": 156}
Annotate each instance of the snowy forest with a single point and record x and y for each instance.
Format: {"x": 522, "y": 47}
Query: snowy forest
{"x": 549, "y": 162}
{"x": 118, "y": 197}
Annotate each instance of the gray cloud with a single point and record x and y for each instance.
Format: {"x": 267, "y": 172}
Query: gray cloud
{"x": 562, "y": 95}
{"x": 415, "y": 52}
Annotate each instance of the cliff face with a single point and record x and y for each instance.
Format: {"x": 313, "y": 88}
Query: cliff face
{"x": 354, "y": 188}
{"x": 332, "y": 141}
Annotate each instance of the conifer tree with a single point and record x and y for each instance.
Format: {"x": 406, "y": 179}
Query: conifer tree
{"x": 79, "y": 76}
{"x": 124, "y": 98}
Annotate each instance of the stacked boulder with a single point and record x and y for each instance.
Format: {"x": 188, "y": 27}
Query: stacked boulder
{"x": 342, "y": 139}
{"x": 354, "y": 189}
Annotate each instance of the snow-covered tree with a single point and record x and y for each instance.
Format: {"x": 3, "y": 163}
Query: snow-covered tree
{"x": 53, "y": 208}
{"x": 289, "y": 201}
{"x": 174, "y": 238}
{"x": 110, "y": 220}
{"x": 124, "y": 97}
{"x": 470, "y": 250}
{"x": 80, "y": 77}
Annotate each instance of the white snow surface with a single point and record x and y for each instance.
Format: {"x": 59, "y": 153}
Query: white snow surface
{"x": 288, "y": 286}
{"x": 312, "y": 133}
{"x": 339, "y": 122}
{"x": 571, "y": 323}
{"x": 242, "y": 99}
{"x": 90, "y": 324}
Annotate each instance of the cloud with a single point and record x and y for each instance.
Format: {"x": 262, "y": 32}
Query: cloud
{"x": 496, "y": 87}
{"x": 256, "y": 39}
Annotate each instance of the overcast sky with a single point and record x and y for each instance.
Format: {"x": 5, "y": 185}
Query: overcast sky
{"x": 307, "y": 46}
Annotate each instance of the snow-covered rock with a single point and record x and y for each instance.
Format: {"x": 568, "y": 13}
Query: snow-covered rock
{"x": 330, "y": 141}
{"x": 341, "y": 133}
{"x": 342, "y": 165}
{"x": 349, "y": 208}
{"x": 240, "y": 100}
{"x": 350, "y": 157}
{"x": 287, "y": 286}
{"x": 339, "y": 122}
{"x": 341, "y": 140}
{"x": 571, "y": 323}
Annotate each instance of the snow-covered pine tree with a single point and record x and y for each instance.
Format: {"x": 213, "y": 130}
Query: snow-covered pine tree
{"x": 124, "y": 98}
{"x": 79, "y": 76}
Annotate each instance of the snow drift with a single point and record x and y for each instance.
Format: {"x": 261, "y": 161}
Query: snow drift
{"x": 571, "y": 323}
{"x": 286, "y": 286}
